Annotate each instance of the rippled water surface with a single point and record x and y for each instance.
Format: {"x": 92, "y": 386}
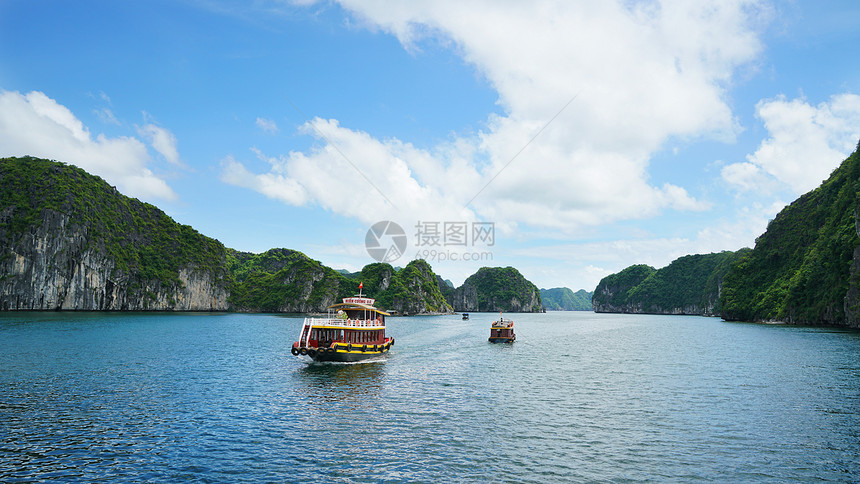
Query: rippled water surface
{"x": 580, "y": 396}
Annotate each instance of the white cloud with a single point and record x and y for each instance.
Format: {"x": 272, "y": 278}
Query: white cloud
{"x": 106, "y": 116}
{"x": 272, "y": 185}
{"x": 746, "y": 176}
{"x": 805, "y": 144}
{"x": 161, "y": 141}
{"x": 34, "y": 124}
{"x": 267, "y": 125}
{"x": 356, "y": 175}
{"x": 638, "y": 74}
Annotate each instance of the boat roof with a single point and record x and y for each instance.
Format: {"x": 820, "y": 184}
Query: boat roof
{"x": 359, "y": 305}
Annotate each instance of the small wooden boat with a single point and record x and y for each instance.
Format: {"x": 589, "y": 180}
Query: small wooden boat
{"x": 502, "y": 331}
{"x": 465, "y": 316}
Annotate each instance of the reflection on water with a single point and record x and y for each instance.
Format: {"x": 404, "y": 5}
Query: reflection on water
{"x": 350, "y": 383}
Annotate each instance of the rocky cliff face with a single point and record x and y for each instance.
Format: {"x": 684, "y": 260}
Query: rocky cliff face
{"x": 641, "y": 307}
{"x": 689, "y": 285}
{"x": 56, "y": 265}
{"x": 418, "y": 291}
{"x": 497, "y": 289}
{"x": 611, "y": 294}
{"x": 852, "y": 296}
{"x": 70, "y": 241}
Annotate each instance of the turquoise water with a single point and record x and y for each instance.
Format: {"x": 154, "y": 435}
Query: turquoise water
{"x": 580, "y": 396}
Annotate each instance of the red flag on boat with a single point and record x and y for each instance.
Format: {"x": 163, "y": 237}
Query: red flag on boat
{"x": 360, "y": 285}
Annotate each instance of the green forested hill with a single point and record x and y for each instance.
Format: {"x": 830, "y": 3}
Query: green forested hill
{"x": 284, "y": 280}
{"x": 413, "y": 289}
{"x": 804, "y": 268}
{"x": 688, "y": 285}
{"x": 69, "y": 240}
{"x": 610, "y": 296}
{"x": 138, "y": 236}
{"x": 563, "y": 299}
{"x": 497, "y": 289}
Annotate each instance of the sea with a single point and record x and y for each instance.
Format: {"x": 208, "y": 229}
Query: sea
{"x": 579, "y": 397}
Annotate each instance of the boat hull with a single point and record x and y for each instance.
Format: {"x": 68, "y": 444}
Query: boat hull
{"x": 345, "y": 356}
{"x": 502, "y": 339}
{"x": 345, "y": 353}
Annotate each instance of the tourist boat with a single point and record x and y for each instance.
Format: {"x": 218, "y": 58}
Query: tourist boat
{"x": 502, "y": 331}
{"x": 353, "y": 330}
{"x": 465, "y": 316}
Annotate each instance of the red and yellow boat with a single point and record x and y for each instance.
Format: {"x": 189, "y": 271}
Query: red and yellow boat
{"x": 353, "y": 330}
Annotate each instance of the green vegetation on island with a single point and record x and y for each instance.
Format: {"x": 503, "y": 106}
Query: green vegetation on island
{"x": 611, "y": 293}
{"x": 71, "y": 241}
{"x": 50, "y": 204}
{"x": 497, "y": 289}
{"x": 284, "y": 280}
{"x": 138, "y": 236}
{"x": 805, "y": 268}
{"x": 688, "y": 285}
{"x": 411, "y": 290}
{"x": 564, "y": 299}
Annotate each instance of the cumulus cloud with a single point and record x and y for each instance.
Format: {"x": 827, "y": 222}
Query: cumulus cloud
{"x": 267, "y": 125}
{"x": 273, "y": 185}
{"x": 637, "y": 74}
{"x": 34, "y": 124}
{"x": 805, "y": 144}
{"x": 161, "y": 141}
{"x": 356, "y": 175}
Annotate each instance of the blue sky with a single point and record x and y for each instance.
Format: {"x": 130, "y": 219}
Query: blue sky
{"x": 592, "y": 135}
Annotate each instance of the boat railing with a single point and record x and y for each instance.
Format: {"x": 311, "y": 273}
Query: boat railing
{"x": 349, "y": 323}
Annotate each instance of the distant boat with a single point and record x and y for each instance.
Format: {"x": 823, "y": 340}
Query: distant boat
{"x": 353, "y": 330}
{"x": 465, "y": 316}
{"x": 502, "y": 331}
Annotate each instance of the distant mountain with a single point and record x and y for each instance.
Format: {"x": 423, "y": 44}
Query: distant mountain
{"x": 497, "y": 289}
{"x": 805, "y": 268}
{"x": 350, "y": 275}
{"x": 689, "y": 285}
{"x": 563, "y": 299}
{"x": 446, "y": 288}
{"x": 69, "y": 240}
